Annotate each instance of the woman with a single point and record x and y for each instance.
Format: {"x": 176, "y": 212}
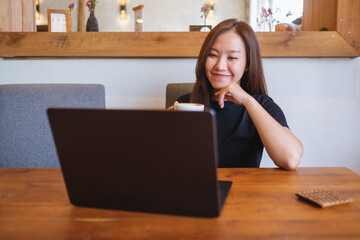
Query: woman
{"x": 230, "y": 80}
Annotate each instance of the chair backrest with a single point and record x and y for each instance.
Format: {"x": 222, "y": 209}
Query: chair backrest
{"x": 25, "y": 135}
{"x": 175, "y": 90}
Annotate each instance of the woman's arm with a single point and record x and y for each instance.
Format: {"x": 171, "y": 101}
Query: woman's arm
{"x": 283, "y": 147}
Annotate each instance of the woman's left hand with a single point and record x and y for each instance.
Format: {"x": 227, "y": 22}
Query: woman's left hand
{"x": 172, "y": 108}
{"x": 232, "y": 92}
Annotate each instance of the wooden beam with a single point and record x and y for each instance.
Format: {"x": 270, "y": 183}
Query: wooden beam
{"x": 164, "y": 44}
{"x": 348, "y": 20}
{"x": 100, "y": 44}
{"x": 304, "y": 44}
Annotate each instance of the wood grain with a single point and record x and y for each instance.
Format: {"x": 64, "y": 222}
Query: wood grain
{"x": 17, "y": 16}
{"x": 164, "y": 44}
{"x": 348, "y": 20}
{"x": 81, "y": 27}
{"x": 318, "y": 14}
{"x": 261, "y": 204}
{"x": 304, "y": 44}
{"x": 160, "y": 44}
{"x": 28, "y": 10}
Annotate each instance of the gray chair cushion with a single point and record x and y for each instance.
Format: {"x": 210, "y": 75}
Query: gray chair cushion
{"x": 25, "y": 135}
{"x": 175, "y": 90}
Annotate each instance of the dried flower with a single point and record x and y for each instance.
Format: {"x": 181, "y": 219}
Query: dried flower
{"x": 266, "y": 13}
{"x": 205, "y": 10}
{"x": 270, "y": 17}
{"x": 266, "y": 16}
{"x": 91, "y": 4}
{"x": 289, "y": 14}
{"x": 72, "y": 6}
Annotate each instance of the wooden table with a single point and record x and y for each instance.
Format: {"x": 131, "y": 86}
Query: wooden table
{"x": 261, "y": 204}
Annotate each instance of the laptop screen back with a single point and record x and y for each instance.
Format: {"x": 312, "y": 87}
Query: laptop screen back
{"x": 139, "y": 160}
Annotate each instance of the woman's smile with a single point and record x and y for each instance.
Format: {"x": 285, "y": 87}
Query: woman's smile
{"x": 226, "y": 60}
{"x": 221, "y": 75}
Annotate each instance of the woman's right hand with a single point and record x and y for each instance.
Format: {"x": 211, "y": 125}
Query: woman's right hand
{"x": 234, "y": 93}
{"x": 172, "y": 107}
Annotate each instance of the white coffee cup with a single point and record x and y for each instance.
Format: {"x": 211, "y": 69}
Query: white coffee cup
{"x": 189, "y": 107}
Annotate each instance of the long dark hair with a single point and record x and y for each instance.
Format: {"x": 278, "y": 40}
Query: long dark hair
{"x": 252, "y": 81}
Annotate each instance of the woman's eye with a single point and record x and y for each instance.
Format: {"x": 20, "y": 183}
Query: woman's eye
{"x": 212, "y": 55}
{"x": 233, "y": 58}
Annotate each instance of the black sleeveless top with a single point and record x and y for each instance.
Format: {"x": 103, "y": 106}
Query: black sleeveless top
{"x": 239, "y": 144}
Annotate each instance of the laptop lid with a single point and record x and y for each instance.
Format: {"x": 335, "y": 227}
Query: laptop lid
{"x": 139, "y": 160}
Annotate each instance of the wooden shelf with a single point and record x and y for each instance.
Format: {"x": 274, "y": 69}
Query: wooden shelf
{"x": 344, "y": 42}
{"x": 163, "y": 44}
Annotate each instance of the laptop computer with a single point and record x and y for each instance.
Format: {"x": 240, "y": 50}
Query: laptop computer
{"x": 140, "y": 160}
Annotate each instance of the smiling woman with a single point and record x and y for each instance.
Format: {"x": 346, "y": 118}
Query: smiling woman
{"x": 230, "y": 81}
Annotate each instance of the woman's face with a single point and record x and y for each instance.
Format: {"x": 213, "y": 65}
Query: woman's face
{"x": 226, "y": 61}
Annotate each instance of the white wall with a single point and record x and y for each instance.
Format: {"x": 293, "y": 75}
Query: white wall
{"x": 159, "y": 15}
{"x": 321, "y": 99}
{"x": 320, "y": 96}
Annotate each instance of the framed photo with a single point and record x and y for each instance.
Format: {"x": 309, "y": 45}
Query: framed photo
{"x": 58, "y": 20}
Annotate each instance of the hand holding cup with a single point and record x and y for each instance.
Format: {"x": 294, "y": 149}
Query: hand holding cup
{"x": 197, "y": 107}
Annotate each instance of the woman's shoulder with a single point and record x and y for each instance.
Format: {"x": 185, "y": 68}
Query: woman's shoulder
{"x": 271, "y": 107}
{"x": 261, "y": 97}
{"x": 184, "y": 98}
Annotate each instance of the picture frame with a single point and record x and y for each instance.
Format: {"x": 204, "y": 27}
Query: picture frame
{"x": 58, "y": 20}
{"x": 200, "y": 28}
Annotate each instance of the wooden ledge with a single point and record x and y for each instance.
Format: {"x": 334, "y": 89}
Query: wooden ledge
{"x": 304, "y": 44}
{"x": 163, "y": 44}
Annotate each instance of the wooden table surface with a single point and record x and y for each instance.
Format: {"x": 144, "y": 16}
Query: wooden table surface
{"x": 261, "y": 204}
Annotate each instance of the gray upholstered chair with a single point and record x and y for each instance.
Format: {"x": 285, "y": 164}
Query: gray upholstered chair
{"x": 25, "y": 135}
{"x": 175, "y": 90}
